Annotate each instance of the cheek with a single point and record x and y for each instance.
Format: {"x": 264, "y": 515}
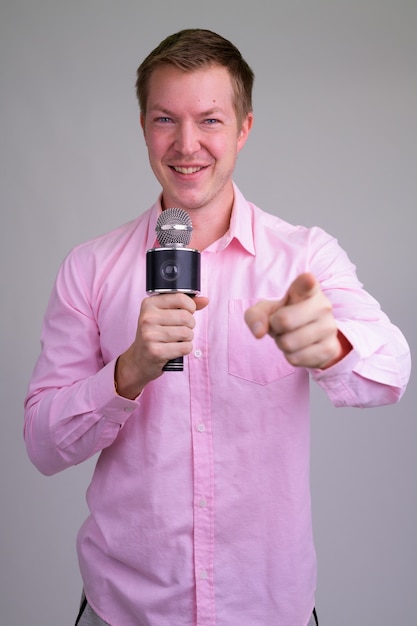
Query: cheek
{"x": 223, "y": 147}
{"x": 157, "y": 141}
{"x": 157, "y": 145}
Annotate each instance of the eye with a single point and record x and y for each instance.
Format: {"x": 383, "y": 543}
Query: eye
{"x": 163, "y": 120}
{"x": 211, "y": 121}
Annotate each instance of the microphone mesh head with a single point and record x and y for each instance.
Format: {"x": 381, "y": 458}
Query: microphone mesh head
{"x": 173, "y": 228}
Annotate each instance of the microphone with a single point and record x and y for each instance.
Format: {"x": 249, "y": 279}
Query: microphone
{"x": 173, "y": 267}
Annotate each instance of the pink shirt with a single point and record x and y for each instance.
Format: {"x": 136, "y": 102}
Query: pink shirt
{"x": 200, "y": 502}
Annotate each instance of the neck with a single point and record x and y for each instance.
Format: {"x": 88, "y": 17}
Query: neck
{"x": 210, "y": 221}
{"x": 208, "y": 228}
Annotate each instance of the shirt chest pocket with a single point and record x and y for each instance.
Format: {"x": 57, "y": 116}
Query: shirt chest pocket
{"x": 256, "y": 360}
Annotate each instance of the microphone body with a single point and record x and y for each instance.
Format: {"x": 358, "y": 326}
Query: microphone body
{"x": 173, "y": 267}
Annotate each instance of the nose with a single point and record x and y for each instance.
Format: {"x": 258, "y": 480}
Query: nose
{"x": 187, "y": 140}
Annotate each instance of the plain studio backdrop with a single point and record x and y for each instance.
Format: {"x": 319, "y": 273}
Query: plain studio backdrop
{"x": 334, "y": 144}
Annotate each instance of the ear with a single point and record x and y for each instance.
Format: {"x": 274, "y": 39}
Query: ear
{"x": 244, "y": 131}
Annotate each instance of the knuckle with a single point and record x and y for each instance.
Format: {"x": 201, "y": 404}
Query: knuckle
{"x": 186, "y": 335}
{"x": 293, "y": 358}
{"x": 285, "y": 343}
{"x": 186, "y": 318}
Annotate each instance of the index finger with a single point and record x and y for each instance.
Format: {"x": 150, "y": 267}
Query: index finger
{"x": 257, "y": 316}
{"x": 173, "y": 300}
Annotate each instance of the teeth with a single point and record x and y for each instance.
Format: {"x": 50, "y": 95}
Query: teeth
{"x": 187, "y": 170}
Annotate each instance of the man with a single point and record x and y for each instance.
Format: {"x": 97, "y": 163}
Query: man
{"x": 200, "y": 503}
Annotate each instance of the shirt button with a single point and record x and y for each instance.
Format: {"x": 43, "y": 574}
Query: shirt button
{"x": 198, "y": 354}
{"x": 201, "y": 428}
{"x": 202, "y": 503}
{"x": 203, "y": 574}
{"x": 128, "y": 409}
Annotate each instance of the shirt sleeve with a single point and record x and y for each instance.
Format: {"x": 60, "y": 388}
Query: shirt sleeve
{"x": 377, "y": 370}
{"x": 71, "y": 409}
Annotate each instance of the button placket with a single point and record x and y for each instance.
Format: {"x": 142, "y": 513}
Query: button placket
{"x": 203, "y": 471}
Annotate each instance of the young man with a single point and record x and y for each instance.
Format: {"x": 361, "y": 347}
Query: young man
{"x": 200, "y": 503}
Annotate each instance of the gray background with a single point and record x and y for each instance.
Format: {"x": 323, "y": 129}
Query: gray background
{"x": 334, "y": 144}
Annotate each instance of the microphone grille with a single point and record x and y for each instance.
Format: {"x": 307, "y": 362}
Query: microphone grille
{"x": 173, "y": 228}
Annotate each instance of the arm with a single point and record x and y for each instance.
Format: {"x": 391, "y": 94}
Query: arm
{"x": 71, "y": 408}
{"x": 352, "y": 350}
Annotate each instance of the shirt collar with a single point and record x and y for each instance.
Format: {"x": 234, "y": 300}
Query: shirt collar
{"x": 155, "y": 212}
{"x": 240, "y": 223}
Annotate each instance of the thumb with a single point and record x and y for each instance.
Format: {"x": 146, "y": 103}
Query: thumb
{"x": 257, "y": 317}
{"x": 303, "y": 287}
{"x": 200, "y": 302}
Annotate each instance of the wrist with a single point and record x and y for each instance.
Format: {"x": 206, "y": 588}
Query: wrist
{"x": 344, "y": 348}
{"x": 126, "y": 383}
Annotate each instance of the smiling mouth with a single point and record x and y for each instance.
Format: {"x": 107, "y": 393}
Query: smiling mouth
{"x": 187, "y": 170}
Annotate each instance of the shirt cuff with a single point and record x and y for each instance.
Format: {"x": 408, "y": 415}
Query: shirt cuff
{"x": 114, "y": 407}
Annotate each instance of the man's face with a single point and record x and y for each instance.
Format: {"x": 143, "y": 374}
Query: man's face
{"x": 192, "y": 134}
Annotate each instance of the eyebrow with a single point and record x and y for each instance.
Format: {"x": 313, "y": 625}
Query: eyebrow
{"x": 160, "y": 109}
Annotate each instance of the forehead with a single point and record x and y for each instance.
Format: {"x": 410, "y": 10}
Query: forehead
{"x": 206, "y": 88}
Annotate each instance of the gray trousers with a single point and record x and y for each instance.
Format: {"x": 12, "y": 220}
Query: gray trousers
{"x": 87, "y": 617}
